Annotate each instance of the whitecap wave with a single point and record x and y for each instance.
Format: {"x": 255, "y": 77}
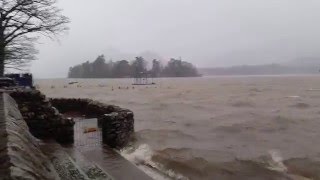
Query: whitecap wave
{"x": 142, "y": 157}
{"x": 276, "y": 162}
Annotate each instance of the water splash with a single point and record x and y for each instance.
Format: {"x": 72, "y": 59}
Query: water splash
{"x": 142, "y": 157}
{"x": 276, "y": 162}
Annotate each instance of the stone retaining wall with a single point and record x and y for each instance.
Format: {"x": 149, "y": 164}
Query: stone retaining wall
{"x": 44, "y": 121}
{"x": 20, "y": 155}
{"x": 117, "y": 123}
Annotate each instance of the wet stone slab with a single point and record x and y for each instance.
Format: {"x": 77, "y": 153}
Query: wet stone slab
{"x": 71, "y": 165}
{"x": 88, "y": 158}
{"x": 91, "y": 146}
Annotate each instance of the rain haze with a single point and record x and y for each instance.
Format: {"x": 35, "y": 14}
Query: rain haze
{"x": 207, "y": 33}
{"x": 160, "y": 89}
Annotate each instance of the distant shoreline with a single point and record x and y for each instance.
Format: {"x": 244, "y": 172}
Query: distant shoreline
{"x": 204, "y": 76}
{"x": 267, "y": 69}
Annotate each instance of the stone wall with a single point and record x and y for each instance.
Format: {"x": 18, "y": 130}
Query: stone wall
{"x": 20, "y": 155}
{"x": 117, "y": 128}
{"x": 87, "y": 107}
{"x": 117, "y": 123}
{"x": 44, "y": 121}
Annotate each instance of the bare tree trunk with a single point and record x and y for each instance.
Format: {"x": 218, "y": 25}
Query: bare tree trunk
{"x": 2, "y": 59}
{"x": 2, "y": 48}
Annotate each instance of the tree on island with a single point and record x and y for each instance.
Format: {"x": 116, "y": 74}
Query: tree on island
{"x": 21, "y": 21}
{"x": 179, "y": 68}
{"x": 136, "y": 68}
{"x": 98, "y": 67}
{"x": 156, "y": 68}
{"x": 122, "y": 69}
{"x": 139, "y": 66}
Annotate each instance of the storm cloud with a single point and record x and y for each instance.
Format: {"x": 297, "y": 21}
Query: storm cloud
{"x": 208, "y": 33}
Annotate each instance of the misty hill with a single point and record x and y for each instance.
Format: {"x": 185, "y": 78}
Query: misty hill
{"x": 298, "y": 66}
{"x": 125, "y": 69}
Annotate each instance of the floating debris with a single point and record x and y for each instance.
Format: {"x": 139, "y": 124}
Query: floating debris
{"x": 73, "y": 82}
{"x": 89, "y": 130}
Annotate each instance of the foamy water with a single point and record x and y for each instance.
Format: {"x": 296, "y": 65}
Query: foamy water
{"x": 142, "y": 157}
{"x": 223, "y": 128}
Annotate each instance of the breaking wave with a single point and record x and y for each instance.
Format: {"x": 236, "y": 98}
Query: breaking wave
{"x": 185, "y": 163}
{"x": 142, "y": 156}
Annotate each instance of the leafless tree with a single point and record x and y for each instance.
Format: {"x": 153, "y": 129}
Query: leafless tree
{"x": 21, "y": 23}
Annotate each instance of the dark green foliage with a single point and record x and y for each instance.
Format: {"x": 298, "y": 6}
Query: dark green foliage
{"x": 179, "y": 68}
{"x": 156, "y": 68}
{"x": 124, "y": 69}
{"x": 139, "y": 66}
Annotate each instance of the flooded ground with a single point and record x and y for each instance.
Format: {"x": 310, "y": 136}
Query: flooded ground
{"x": 90, "y": 145}
{"x": 263, "y": 127}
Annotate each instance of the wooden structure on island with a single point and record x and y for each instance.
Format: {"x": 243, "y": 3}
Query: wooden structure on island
{"x": 143, "y": 78}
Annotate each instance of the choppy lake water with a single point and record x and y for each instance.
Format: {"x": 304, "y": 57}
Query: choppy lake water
{"x": 249, "y": 127}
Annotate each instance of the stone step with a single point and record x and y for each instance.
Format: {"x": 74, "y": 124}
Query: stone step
{"x": 115, "y": 164}
{"x": 72, "y": 165}
{"x": 91, "y": 147}
{"x": 92, "y": 169}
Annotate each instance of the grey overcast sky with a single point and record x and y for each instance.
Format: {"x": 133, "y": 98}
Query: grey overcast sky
{"x": 204, "y": 32}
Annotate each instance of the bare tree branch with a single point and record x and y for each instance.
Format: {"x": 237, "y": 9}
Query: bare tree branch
{"x": 21, "y": 21}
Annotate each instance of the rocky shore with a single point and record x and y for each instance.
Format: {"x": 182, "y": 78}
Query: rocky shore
{"x": 44, "y": 120}
{"x": 20, "y": 154}
{"x": 30, "y": 124}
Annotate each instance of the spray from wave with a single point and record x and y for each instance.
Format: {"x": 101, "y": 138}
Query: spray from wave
{"x": 276, "y": 162}
{"x": 184, "y": 164}
{"x": 142, "y": 157}
{"x": 163, "y": 163}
